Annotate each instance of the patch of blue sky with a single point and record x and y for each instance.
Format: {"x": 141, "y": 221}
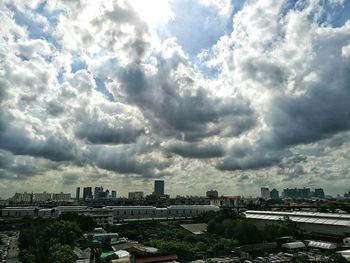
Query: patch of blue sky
{"x": 338, "y": 14}
{"x": 209, "y": 72}
{"x": 52, "y": 16}
{"x": 196, "y": 26}
{"x": 334, "y": 14}
{"x": 78, "y": 64}
{"x": 237, "y": 5}
{"x": 101, "y": 87}
{"x": 37, "y": 30}
{"x": 61, "y": 76}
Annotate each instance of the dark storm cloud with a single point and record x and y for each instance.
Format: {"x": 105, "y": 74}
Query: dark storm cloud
{"x": 246, "y": 156}
{"x": 189, "y": 114}
{"x": 22, "y": 167}
{"x": 104, "y": 134}
{"x": 17, "y": 140}
{"x": 126, "y": 159}
{"x": 196, "y": 150}
{"x": 70, "y": 178}
{"x": 54, "y": 108}
{"x": 100, "y": 128}
{"x": 322, "y": 112}
{"x": 306, "y": 104}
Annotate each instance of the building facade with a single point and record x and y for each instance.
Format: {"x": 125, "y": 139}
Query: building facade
{"x": 265, "y": 193}
{"x": 63, "y": 197}
{"x": 274, "y": 194}
{"x": 112, "y": 214}
{"x": 87, "y": 193}
{"x": 212, "y": 194}
{"x": 77, "y": 194}
{"x": 158, "y": 188}
{"x": 135, "y": 195}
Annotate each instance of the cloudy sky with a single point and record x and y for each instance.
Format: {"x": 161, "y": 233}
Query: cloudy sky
{"x": 205, "y": 94}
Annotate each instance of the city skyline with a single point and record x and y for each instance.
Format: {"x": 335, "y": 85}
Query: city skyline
{"x": 204, "y": 94}
{"x": 88, "y": 193}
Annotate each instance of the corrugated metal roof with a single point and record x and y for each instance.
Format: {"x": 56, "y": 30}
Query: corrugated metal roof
{"x": 293, "y": 245}
{"x": 322, "y": 245}
{"x": 302, "y": 217}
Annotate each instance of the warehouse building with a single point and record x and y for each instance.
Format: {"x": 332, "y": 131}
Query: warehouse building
{"x": 318, "y": 223}
{"x": 112, "y": 214}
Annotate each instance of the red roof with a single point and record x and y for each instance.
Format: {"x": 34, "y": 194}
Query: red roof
{"x": 156, "y": 259}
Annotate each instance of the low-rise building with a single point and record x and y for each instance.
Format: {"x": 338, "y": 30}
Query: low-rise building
{"x": 318, "y": 223}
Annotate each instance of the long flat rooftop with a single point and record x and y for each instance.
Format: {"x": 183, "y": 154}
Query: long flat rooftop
{"x": 301, "y": 217}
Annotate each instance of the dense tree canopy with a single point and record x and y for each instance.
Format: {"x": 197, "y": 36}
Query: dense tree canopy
{"x": 43, "y": 240}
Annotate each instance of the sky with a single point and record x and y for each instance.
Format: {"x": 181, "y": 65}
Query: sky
{"x": 205, "y": 94}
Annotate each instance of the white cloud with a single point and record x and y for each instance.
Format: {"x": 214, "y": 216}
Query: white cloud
{"x": 91, "y": 88}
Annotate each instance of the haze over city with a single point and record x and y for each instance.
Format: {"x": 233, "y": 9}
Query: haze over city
{"x": 204, "y": 94}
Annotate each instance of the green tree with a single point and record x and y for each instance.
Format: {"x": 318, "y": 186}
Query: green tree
{"x": 27, "y": 257}
{"x": 106, "y": 245}
{"x": 62, "y": 254}
{"x": 86, "y": 223}
{"x": 336, "y": 258}
{"x": 65, "y": 232}
{"x": 290, "y": 228}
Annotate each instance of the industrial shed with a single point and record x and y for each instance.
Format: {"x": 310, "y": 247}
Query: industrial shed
{"x": 318, "y": 223}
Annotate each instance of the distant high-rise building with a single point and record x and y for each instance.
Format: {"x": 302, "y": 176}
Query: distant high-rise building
{"x": 305, "y": 192}
{"x": 77, "y": 194}
{"x": 87, "y": 193}
{"x": 135, "y": 195}
{"x": 212, "y": 194}
{"x": 274, "y": 194}
{"x": 347, "y": 195}
{"x": 114, "y": 194}
{"x": 301, "y": 193}
{"x": 265, "y": 193}
{"x": 158, "y": 188}
{"x": 98, "y": 190}
{"x": 319, "y": 193}
{"x": 290, "y": 193}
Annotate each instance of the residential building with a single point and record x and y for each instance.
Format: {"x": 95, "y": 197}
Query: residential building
{"x": 319, "y": 193}
{"x": 61, "y": 197}
{"x": 42, "y": 197}
{"x": 226, "y": 201}
{"x": 22, "y": 197}
{"x": 301, "y": 193}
